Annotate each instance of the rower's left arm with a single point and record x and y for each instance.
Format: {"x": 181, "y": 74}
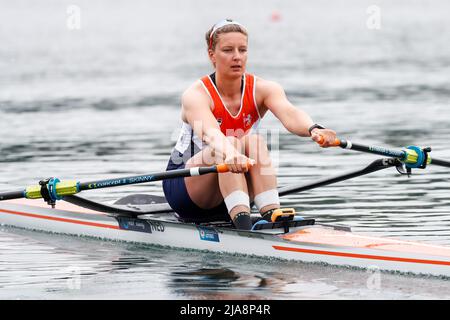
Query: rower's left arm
{"x": 294, "y": 119}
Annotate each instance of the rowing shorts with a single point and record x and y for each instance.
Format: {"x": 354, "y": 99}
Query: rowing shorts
{"x": 178, "y": 198}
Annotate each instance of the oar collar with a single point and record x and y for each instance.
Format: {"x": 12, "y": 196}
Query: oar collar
{"x": 416, "y": 157}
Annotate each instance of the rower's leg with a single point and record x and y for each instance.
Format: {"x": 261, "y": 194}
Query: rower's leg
{"x": 262, "y": 179}
{"x": 203, "y": 190}
{"x": 208, "y": 191}
{"x": 233, "y": 187}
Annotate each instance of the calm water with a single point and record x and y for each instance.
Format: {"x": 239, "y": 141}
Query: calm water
{"x": 103, "y": 101}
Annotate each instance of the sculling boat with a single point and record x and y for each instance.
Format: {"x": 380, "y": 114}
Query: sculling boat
{"x": 304, "y": 241}
{"x": 149, "y": 220}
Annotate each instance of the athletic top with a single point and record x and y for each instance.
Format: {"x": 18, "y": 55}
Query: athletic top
{"x": 237, "y": 125}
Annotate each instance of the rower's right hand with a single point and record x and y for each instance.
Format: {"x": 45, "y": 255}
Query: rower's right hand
{"x": 238, "y": 163}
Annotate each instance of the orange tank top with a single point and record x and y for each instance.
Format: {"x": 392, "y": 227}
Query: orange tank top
{"x": 239, "y": 124}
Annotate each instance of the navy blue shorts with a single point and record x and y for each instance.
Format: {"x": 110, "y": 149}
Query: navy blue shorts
{"x": 178, "y": 198}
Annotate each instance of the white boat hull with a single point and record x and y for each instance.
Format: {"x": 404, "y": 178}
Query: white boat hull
{"x": 315, "y": 244}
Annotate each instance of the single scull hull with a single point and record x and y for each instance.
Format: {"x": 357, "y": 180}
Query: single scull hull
{"x": 317, "y": 244}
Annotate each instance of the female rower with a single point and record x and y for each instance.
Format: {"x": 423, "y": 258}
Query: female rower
{"x": 218, "y": 112}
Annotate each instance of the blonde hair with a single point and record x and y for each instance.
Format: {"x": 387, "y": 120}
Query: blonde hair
{"x": 212, "y": 42}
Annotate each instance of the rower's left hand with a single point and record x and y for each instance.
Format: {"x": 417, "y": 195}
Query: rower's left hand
{"x": 324, "y": 137}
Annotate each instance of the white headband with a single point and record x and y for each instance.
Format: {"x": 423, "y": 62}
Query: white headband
{"x": 221, "y": 24}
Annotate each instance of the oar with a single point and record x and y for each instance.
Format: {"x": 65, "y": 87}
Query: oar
{"x": 53, "y": 189}
{"x": 376, "y": 165}
{"x": 412, "y": 156}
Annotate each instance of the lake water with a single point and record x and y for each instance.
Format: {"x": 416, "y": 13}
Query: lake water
{"x": 104, "y": 101}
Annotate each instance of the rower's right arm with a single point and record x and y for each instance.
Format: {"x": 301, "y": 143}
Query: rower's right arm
{"x": 196, "y": 110}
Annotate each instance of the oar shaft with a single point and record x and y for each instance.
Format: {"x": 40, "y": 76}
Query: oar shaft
{"x": 107, "y": 183}
{"x": 412, "y": 156}
{"x": 11, "y": 195}
{"x": 57, "y": 189}
{"x": 441, "y": 163}
{"x": 376, "y": 165}
{"x": 372, "y": 149}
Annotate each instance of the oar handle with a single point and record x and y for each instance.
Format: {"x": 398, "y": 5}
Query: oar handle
{"x": 336, "y": 143}
{"x": 222, "y": 168}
